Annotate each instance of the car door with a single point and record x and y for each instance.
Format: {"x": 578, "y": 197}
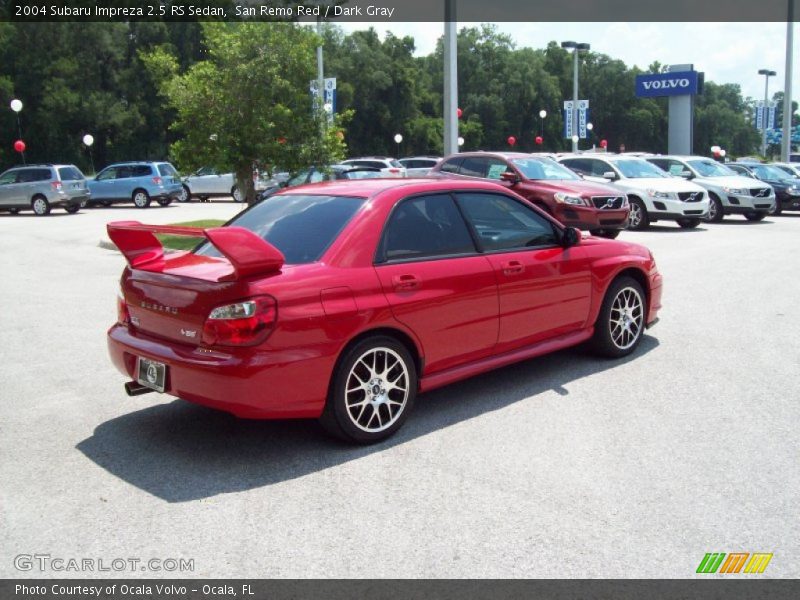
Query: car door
{"x": 10, "y": 190}
{"x": 544, "y": 289}
{"x": 436, "y": 282}
{"x": 102, "y": 186}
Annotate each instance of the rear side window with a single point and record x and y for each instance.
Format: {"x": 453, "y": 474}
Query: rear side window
{"x": 579, "y": 165}
{"x": 141, "y": 171}
{"x": 503, "y": 223}
{"x": 32, "y": 175}
{"x": 301, "y": 227}
{"x": 375, "y": 164}
{"x": 167, "y": 170}
{"x": 425, "y": 227}
{"x": 69, "y": 174}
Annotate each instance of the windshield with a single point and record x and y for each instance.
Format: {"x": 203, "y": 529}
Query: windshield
{"x": 769, "y": 172}
{"x": 301, "y": 227}
{"x": 537, "y": 168}
{"x": 709, "y": 168}
{"x": 637, "y": 168}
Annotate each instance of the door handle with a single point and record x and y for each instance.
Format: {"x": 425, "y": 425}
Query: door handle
{"x": 513, "y": 267}
{"x": 406, "y": 282}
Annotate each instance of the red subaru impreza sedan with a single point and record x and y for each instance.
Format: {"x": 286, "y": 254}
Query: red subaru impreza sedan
{"x": 342, "y": 301}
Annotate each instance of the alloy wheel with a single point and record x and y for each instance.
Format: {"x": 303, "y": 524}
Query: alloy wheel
{"x": 377, "y": 389}
{"x": 635, "y": 216}
{"x": 627, "y": 317}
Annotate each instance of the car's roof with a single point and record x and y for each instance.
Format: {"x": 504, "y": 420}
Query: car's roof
{"x": 139, "y": 162}
{"x": 369, "y": 158}
{"x": 501, "y": 154}
{"x": 365, "y": 188}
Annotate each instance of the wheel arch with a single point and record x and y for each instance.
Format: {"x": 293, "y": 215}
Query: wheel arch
{"x": 634, "y": 272}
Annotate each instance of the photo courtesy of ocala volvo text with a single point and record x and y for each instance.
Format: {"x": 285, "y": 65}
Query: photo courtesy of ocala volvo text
{"x": 343, "y": 300}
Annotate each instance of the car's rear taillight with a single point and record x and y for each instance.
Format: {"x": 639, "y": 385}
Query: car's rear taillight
{"x": 245, "y": 323}
{"x": 123, "y": 316}
{"x": 394, "y": 170}
{"x": 56, "y": 185}
{"x": 157, "y": 180}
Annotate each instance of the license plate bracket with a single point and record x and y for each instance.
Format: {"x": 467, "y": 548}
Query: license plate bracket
{"x": 151, "y": 373}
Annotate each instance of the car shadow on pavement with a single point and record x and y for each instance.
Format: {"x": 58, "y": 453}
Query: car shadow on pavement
{"x": 181, "y": 452}
{"x": 676, "y": 229}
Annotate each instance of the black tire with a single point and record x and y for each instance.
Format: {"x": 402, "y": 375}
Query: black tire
{"x": 13, "y": 211}
{"x": 237, "y": 195}
{"x": 72, "y": 208}
{"x": 339, "y": 418}
{"x": 40, "y": 206}
{"x": 778, "y": 209}
{"x": 688, "y": 223}
{"x": 611, "y": 338}
{"x": 140, "y": 198}
{"x": 186, "y": 195}
{"x": 715, "y": 211}
{"x": 638, "y": 218}
{"x": 164, "y": 201}
{"x": 755, "y": 216}
{"x": 105, "y": 203}
{"x": 610, "y": 234}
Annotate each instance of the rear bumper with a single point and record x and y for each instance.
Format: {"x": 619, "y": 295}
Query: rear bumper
{"x": 247, "y": 382}
{"x": 586, "y": 218}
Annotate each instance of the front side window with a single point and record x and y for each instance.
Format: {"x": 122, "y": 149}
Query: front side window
{"x": 426, "y": 227}
{"x": 301, "y": 227}
{"x": 8, "y": 177}
{"x": 106, "y": 174}
{"x": 503, "y": 223}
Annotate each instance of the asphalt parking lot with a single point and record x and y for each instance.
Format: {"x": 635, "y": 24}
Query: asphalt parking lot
{"x": 563, "y": 466}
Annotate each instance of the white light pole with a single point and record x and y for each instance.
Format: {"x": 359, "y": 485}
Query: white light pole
{"x": 450, "y": 95}
{"x": 767, "y": 74}
{"x": 576, "y": 48}
{"x": 786, "y": 143}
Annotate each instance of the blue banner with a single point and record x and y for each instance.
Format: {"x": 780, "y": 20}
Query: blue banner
{"x": 666, "y": 84}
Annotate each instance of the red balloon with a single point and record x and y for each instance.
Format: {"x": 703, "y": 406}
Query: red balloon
{"x": 281, "y": 140}
{"x": 716, "y": 152}
{"x": 604, "y": 143}
{"x": 19, "y": 146}
{"x": 459, "y": 112}
{"x": 539, "y": 140}
{"x": 511, "y": 140}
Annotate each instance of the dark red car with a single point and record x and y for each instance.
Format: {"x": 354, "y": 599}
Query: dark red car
{"x": 343, "y": 300}
{"x": 599, "y": 208}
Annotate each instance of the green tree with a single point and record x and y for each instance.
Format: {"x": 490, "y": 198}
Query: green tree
{"x": 248, "y": 104}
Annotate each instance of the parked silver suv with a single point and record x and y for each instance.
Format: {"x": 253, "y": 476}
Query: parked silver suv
{"x": 43, "y": 187}
{"x": 729, "y": 192}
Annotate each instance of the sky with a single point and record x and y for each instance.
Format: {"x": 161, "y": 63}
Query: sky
{"x": 726, "y": 52}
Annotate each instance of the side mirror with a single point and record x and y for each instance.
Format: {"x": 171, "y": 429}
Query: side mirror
{"x": 510, "y": 177}
{"x": 570, "y": 237}
{"x": 283, "y": 184}
{"x": 686, "y": 175}
{"x": 610, "y": 175}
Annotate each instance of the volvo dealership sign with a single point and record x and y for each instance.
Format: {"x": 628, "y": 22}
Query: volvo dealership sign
{"x": 667, "y": 84}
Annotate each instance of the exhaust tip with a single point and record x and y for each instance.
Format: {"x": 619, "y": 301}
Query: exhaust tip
{"x": 134, "y": 388}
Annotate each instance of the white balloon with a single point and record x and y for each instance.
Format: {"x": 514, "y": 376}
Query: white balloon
{"x": 715, "y": 148}
{"x": 460, "y": 141}
{"x": 88, "y": 139}
{"x": 589, "y": 126}
{"x": 722, "y": 153}
{"x": 398, "y": 138}
{"x": 575, "y": 138}
{"x": 542, "y": 113}
{"x": 328, "y": 107}
{"x": 16, "y": 105}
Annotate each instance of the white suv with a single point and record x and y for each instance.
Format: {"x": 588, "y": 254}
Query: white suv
{"x": 729, "y": 193}
{"x": 653, "y": 194}
{"x": 389, "y": 167}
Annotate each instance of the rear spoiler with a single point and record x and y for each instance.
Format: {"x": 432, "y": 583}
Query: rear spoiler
{"x": 248, "y": 253}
